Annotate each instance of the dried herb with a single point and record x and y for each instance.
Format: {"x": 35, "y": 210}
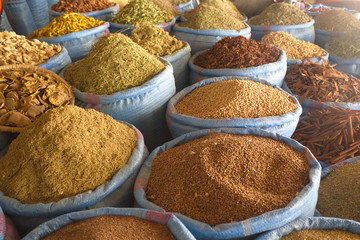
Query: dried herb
{"x": 166, "y": 6}
{"x": 332, "y": 134}
{"x": 337, "y": 20}
{"x": 81, "y": 6}
{"x": 237, "y": 52}
{"x": 321, "y": 234}
{"x": 321, "y": 82}
{"x": 347, "y": 46}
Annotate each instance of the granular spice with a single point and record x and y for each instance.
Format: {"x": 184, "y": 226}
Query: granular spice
{"x": 81, "y": 6}
{"x": 322, "y": 82}
{"x": 66, "y": 151}
{"x": 321, "y": 234}
{"x": 347, "y": 46}
{"x": 293, "y": 47}
{"x": 178, "y": 2}
{"x": 237, "y": 52}
{"x": 208, "y": 17}
{"x": 223, "y": 178}
{"x": 115, "y": 63}
{"x": 167, "y": 7}
{"x": 64, "y": 24}
{"x": 339, "y": 193}
{"x": 109, "y": 227}
{"x": 224, "y": 5}
{"x": 155, "y": 40}
{"x": 235, "y": 99}
{"x": 280, "y": 14}
{"x": 336, "y": 20}
{"x": 16, "y": 49}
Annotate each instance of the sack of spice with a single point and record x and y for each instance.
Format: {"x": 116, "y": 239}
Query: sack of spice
{"x": 250, "y": 170}
{"x": 167, "y": 7}
{"x": 5, "y": 22}
{"x": 233, "y": 102}
{"x": 159, "y": 43}
{"x": 122, "y": 79}
{"x": 21, "y": 18}
{"x": 76, "y": 32}
{"x": 238, "y": 56}
{"x": 69, "y": 159}
{"x": 183, "y": 6}
{"x": 333, "y": 24}
{"x": 99, "y": 9}
{"x": 39, "y": 11}
{"x": 315, "y": 228}
{"x": 141, "y": 10}
{"x": 283, "y": 17}
{"x": 314, "y": 10}
{"x": 7, "y": 228}
{"x": 112, "y": 223}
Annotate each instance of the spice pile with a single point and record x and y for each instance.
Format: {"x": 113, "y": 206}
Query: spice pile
{"x": 251, "y": 174}
{"x": 16, "y": 49}
{"x": 64, "y": 24}
{"x": 109, "y": 227}
{"x": 178, "y": 2}
{"x": 155, "y": 40}
{"x": 59, "y": 155}
{"x": 321, "y": 234}
{"x": 339, "y": 193}
{"x": 235, "y": 99}
{"x": 322, "y": 82}
{"x": 115, "y": 63}
{"x": 280, "y": 14}
{"x": 319, "y": 10}
{"x": 224, "y": 5}
{"x": 166, "y": 6}
{"x": 237, "y": 52}
{"x": 138, "y": 10}
{"x": 347, "y": 46}
{"x": 332, "y": 134}
{"x": 82, "y": 6}
{"x": 294, "y": 48}
{"x": 24, "y": 95}
{"x": 337, "y": 20}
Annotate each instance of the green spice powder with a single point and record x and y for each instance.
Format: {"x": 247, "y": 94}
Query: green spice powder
{"x": 346, "y": 46}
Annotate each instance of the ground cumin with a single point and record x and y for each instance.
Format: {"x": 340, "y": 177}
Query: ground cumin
{"x": 347, "y": 46}
{"x": 235, "y": 99}
{"x": 224, "y": 5}
{"x": 81, "y": 6}
{"x": 321, "y": 234}
{"x": 237, "y": 52}
{"x": 66, "y": 151}
{"x": 336, "y": 20}
{"x": 223, "y": 178}
{"x": 109, "y": 227}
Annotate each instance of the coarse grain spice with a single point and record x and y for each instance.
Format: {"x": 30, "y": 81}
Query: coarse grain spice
{"x": 251, "y": 174}
{"x": 347, "y": 46}
{"x": 224, "y": 5}
{"x": 280, "y": 14}
{"x": 167, "y": 7}
{"x": 115, "y": 63}
{"x": 339, "y": 193}
{"x": 66, "y": 151}
{"x": 81, "y": 6}
{"x": 237, "y": 52}
{"x": 235, "y": 99}
{"x": 178, "y": 2}
{"x": 294, "y": 48}
{"x": 109, "y": 227}
{"x": 313, "y": 234}
{"x": 336, "y": 20}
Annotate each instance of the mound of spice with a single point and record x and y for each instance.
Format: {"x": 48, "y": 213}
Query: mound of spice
{"x": 251, "y": 174}
{"x": 115, "y": 63}
{"x": 321, "y": 234}
{"x": 331, "y": 134}
{"x": 280, "y": 14}
{"x": 109, "y": 227}
{"x": 16, "y": 49}
{"x": 224, "y": 5}
{"x": 235, "y": 99}
{"x": 64, "y": 24}
{"x": 166, "y": 6}
{"x": 319, "y": 9}
{"x": 82, "y": 6}
{"x": 208, "y": 17}
{"x": 237, "y": 52}
{"x": 24, "y": 95}
{"x": 337, "y": 20}
{"x": 293, "y": 47}
{"x": 140, "y": 10}
{"x": 322, "y": 82}
{"x": 66, "y": 151}
{"x": 178, "y": 2}
{"x": 347, "y": 46}
{"x": 339, "y": 193}
{"x": 155, "y": 40}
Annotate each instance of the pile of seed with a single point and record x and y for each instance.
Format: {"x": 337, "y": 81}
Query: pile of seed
{"x": 108, "y": 227}
{"x": 280, "y": 14}
{"x": 66, "y": 151}
{"x": 223, "y": 178}
{"x": 81, "y": 6}
{"x": 321, "y": 234}
{"x": 235, "y": 99}
{"x": 347, "y": 46}
{"x": 337, "y": 20}
{"x": 294, "y": 48}
{"x": 339, "y": 193}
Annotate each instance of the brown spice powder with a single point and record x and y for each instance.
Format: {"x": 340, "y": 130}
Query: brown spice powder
{"x": 312, "y": 234}
{"x": 113, "y": 228}
{"x": 235, "y": 99}
{"x": 336, "y": 20}
{"x": 209, "y": 178}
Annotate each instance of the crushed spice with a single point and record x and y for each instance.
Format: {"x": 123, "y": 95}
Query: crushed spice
{"x": 347, "y": 46}
{"x": 166, "y": 6}
{"x": 81, "y": 6}
{"x": 321, "y": 234}
{"x": 224, "y": 5}
{"x": 336, "y": 20}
